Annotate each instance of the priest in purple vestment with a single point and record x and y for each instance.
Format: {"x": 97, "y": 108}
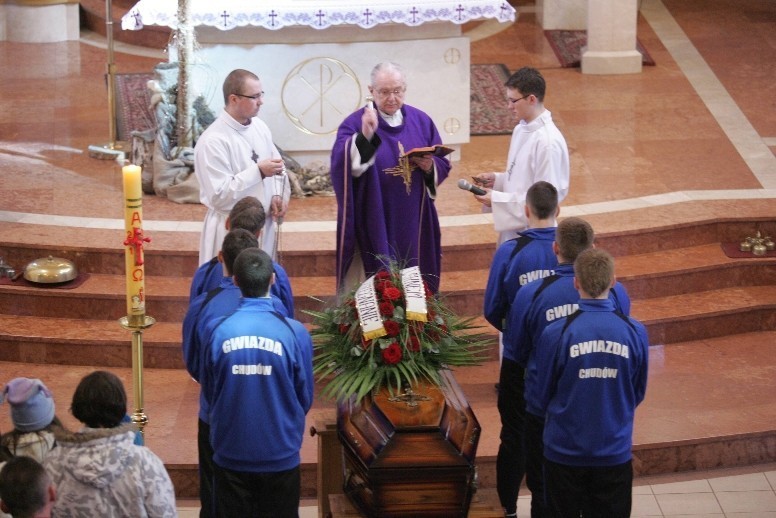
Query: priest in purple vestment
{"x": 386, "y": 207}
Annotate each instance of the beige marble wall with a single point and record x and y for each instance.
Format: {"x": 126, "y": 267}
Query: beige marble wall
{"x": 562, "y": 14}
{"x": 39, "y": 23}
{"x": 311, "y": 86}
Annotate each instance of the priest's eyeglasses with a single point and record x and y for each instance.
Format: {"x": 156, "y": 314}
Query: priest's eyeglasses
{"x": 252, "y": 97}
{"x": 384, "y": 93}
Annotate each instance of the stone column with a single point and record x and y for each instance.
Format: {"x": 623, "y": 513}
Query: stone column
{"x": 611, "y": 38}
{"x": 567, "y": 15}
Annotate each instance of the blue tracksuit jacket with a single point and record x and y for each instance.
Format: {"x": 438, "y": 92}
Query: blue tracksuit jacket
{"x": 591, "y": 375}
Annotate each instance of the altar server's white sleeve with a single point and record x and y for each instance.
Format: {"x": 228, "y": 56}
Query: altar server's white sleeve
{"x": 220, "y": 187}
{"x": 508, "y": 210}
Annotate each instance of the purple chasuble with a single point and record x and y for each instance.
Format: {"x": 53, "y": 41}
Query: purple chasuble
{"x": 376, "y": 212}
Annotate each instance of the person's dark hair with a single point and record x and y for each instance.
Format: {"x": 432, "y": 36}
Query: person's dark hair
{"x": 237, "y": 240}
{"x": 252, "y": 272}
{"x": 99, "y": 400}
{"x": 24, "y": 486}
{"x": 5, "y": 454}
{"x": 574, "y": 236}
{"x": 10, "y": 441}
{"x": 246, "y": 202}
{"x": 528, "y": 81}
{"x": 594, "y": 270}
{"x": 251, "y": 219}
{"x": 542, "y": 198}
{"x": 234, "y": 82}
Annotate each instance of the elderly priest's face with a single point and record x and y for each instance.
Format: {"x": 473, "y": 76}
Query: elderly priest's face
{"x": 388, "y": 91}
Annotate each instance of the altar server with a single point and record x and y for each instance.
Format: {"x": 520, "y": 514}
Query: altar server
{"x": 235, "y": 157}
{"x": 537, "y": 151}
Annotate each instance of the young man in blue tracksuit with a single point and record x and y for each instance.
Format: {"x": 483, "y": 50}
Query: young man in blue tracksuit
{"x": 591, "y": 375}
{"x": 517, "y": 262}
{"x": 257, "y": 378}
{"x": 216, "y": 303}
{"x": 536, "y": 305}
{"x": 247, "y": 213}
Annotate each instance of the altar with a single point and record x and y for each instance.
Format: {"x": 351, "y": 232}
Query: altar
{"x": 314, "y": 58}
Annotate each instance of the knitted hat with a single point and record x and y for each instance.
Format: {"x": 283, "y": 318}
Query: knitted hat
{"x": 32, "y": 407}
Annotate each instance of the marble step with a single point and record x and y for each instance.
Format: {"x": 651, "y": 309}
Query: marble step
{"x": 649, "y": 275}
{"x": 671, "y": 319}
{"x": 64, "y": 341}
{"x": 311, "y": 253}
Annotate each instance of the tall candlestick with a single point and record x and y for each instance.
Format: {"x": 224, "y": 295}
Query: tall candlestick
{"x": 133, "y": 253}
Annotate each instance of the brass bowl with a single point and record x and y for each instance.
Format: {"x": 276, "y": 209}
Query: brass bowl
{"x": 50, "y": 270}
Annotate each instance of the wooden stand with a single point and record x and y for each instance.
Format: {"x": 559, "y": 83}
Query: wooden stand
{"x": 330, "y": 471}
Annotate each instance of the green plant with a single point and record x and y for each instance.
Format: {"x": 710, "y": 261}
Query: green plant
{"x": 351, "y": 365}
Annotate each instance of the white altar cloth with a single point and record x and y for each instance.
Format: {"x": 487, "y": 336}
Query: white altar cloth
{"x": 319, "y": 14}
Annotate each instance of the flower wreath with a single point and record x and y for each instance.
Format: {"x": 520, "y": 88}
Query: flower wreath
{"x": 390, "y": 331}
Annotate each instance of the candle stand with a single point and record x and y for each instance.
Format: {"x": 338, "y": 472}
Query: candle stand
{"x": 137, "y": 324}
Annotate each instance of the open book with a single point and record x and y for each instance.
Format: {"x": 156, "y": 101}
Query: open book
{"x": 437, "y": 150}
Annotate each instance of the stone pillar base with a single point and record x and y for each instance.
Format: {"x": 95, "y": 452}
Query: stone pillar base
{"x": 611, "y": 62}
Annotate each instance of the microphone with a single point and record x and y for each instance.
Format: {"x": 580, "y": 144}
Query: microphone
{"x": 466, "y": 186}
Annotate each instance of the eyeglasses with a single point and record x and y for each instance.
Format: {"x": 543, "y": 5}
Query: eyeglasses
{"x": 513, "y": 101}
{"x": 252, "y": 97}
{"x": 398, "y": 92}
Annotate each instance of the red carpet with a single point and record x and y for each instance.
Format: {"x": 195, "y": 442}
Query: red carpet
{"x": 568, "y": 47}
{"x": 69, "y": 285}
{"x": 489, "y": 113}
{"x": 133, "y": 101}
{"x": 733, "y": 251}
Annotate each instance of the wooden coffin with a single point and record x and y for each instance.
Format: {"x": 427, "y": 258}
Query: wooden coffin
{"x": 410, "y": 455}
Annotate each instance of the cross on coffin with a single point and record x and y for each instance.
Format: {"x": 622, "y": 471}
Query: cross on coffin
{"x": 409, "y": 397}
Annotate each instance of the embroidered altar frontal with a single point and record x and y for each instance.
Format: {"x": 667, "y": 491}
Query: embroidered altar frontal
{"x": 411, "y": 454}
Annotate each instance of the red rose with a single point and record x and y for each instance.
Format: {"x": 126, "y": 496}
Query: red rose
{"x": 383, "y": 285}
{"x": 391, "y": 327}
{"x": 386, "y": 308}
{"x": 413, "y": 344}
{"x": 391, "y": 293}
{"x": 344, "y": 328}
{"x": 392, "y": 354}
{"x": 382, "y": 275}
{"x": 433, "y": 335}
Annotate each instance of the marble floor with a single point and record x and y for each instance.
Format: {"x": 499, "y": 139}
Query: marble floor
{"x": 695, "y": 131}
{"x": 731, "y": 493}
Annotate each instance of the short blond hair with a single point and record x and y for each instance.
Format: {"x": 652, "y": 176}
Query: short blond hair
{"x": 574, "y": 236}
{"x": 594, "y": 270}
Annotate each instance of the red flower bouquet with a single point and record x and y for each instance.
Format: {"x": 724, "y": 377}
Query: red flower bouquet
{"x": 391, "y": 331}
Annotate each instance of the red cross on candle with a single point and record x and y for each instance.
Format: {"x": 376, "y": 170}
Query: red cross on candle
{"x": 136, "y": 241}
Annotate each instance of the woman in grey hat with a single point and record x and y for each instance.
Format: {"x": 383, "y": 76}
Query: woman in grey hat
{"x": 32, "y": 413}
